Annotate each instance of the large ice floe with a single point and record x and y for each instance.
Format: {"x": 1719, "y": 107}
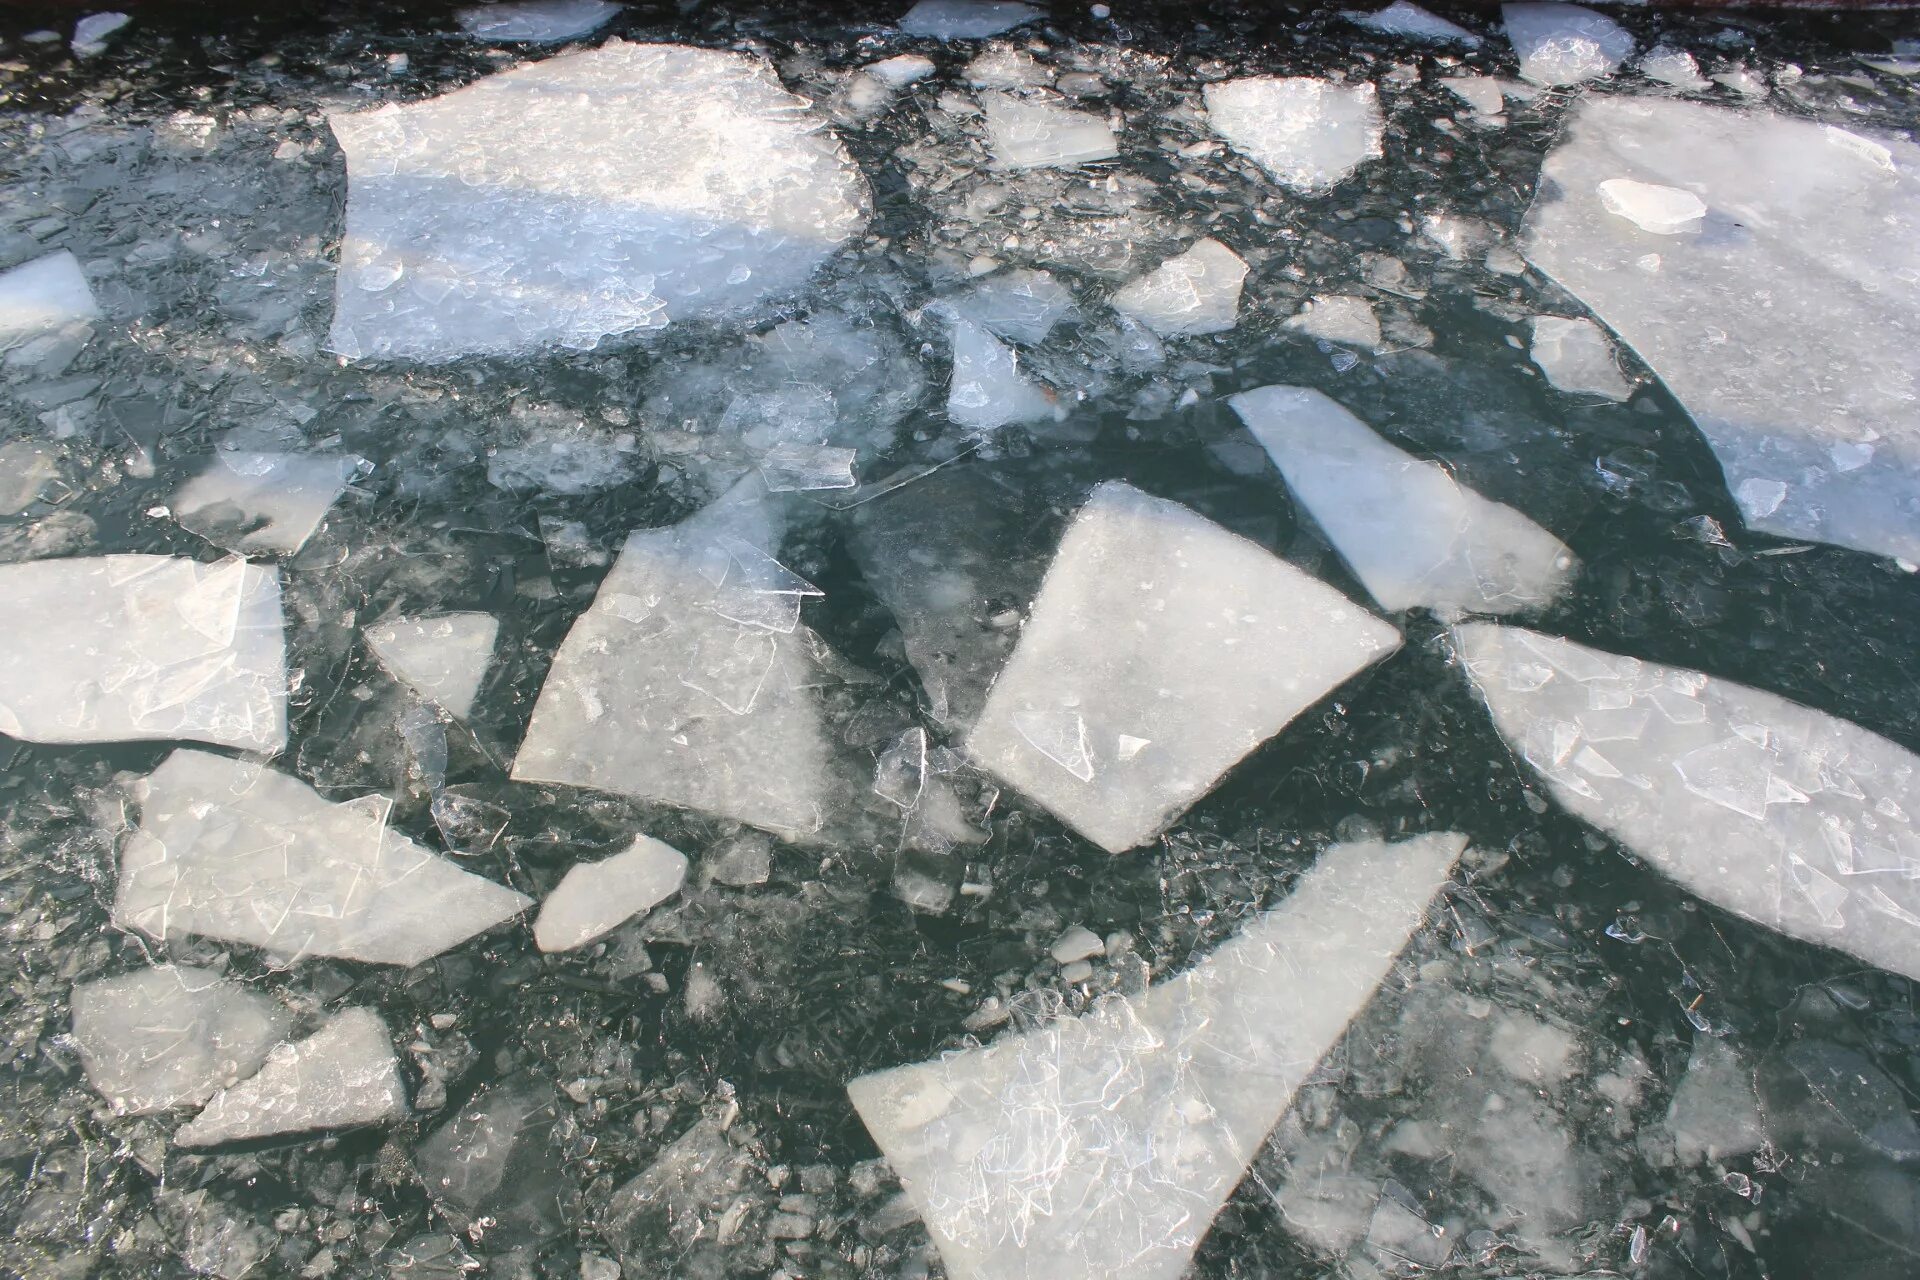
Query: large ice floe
{"x": 1307, "y": 133}
{"x": 1410, "y": 532}
{"x": 1403, "y": 18}
{"x": 171, "y": 1035}
{"x": 1794, "y": 819}
{"x": 143, "y": 648}
{"x": 1161, "y": 649}
{"x": 1779, "y": 318}
{"x": 592, "y": 194}
{"x": 1101, "y": 1147}
{"x": 342, "y": 1076}
{"x": 233, "y": 850}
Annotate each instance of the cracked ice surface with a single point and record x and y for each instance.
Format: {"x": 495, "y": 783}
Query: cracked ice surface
{"x": 1774, "y": 811}
{"x": 1035, "y": 133}
{"x": 1407, "y": 529}
{"x": 342, "y": 1076}
{"x": 1307, "y": 133}
{"x": 584, "y": 196}
{"x": 1194, "y": 293}
{"x": 1779, "y": 321}
{"x": 232, "y": 850}
{"x": 1160, "y": 651}
{"x": 171, "y": 1035}
{"x": 1103, "y": 1146}
{"x": 442, "y": 658}
{"x": 147, "y": 648}
{"x": 263, "y": 503}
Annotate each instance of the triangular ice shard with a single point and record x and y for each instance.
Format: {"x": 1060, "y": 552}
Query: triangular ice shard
{"x": 443, "y": 658}
{"x": 1101, "y": 1147}
{"x": 1771, "y": 810}
{"x": 1161, "y": 649}
{"x": 263, "y": 503}
{"x": 1409, "y": 532}
{"x": 170, "y": 1035}
{"x": 1782, "y": 318}
{"x": 235, "y": 851}
{"x": 343, "y": 1075}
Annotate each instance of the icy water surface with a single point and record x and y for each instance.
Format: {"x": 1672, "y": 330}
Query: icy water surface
{"x": 1122, "y": 642}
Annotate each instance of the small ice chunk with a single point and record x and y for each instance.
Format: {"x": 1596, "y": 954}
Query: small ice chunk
{"x": 595, "y": 898}
{"x": 143, "y": 648}
{"x": 1673, "y": 66}
{"x": 1563, "y": 44}
{"x": 171, "y": 1035}
{"x": 1577, "y": 358}
{"x": 1019, "y": 305}
{"x": 1482, "y": 93}
{"x": 1206, "y": 646}
{"x": 1036, "y": 133}
{"x": 342, "y": 1076}
{"x": 1077, "y": 943}
{"x": 43, "y": 294}
{"x": 443, "y": 657}
{"x": 1338, "y": 318}
{"x": 232, "y": 850}
{"x": 1407, "y": 529}
{"x": 988, "y": 390}
{"x": 1664, "y": 211}
{"x": 966, "y": 19}
{"x": 1715, "y": 1114}
{"x": 91, "y": 32}
{"x": 1404, "y": 18}
{"x": 1197, "y": 292}
{"x": 1307, "y": 133}
{"x": 900, "y": 70}
{"x": 263, "y": 503}
{"x": 900, "y": 773}
{"x": 535, "y": 21}
{"x": 1007, "y": 68}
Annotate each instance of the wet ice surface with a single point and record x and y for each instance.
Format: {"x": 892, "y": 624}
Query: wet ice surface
{"x": 921, "y": 543}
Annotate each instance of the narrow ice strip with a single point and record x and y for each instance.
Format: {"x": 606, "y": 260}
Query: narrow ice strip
{"x": 263, "y": 503}
{"x": 143, "y": 648}
{"x": 171, "y": 1035}
{"x": 1197, "y": 292}
{"x": 443, "y": 658}
{"x": 1308, "y": 134}
{"x": 1790, "y": 817}
{"x": 1780, "y": 319}
{"x": 1564, "y": 44}
{"x": 341, "y": 1077}
{"x": 966, "y": 19}
{"x": 1102, "y": 1147}
{"x": 1160, "y": 650}
{"x": 595, "y": 898}
{"x": 1403, "y": 18}
{"x": 43, "y": 294}
{"x": 1411, "y": 533}
{"x": 1036, "y": 133}
{"x": 236, "y": 851}
{"x": 535, "y": 21}
{"x": 987, "y": 389}
{"x": 1576, "y": 358}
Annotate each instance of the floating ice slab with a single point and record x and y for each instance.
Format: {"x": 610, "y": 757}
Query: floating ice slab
{"x": 1160, "y": 650}
{"x": 143, "y": 648}
{"x": 579, "y": 197}
{"x": 1562, "y": 44}
{"x": 966, "y": 19}
{"x": 1402, "y": 18}
{"x": 1776, "y": 812}
{"x": 1577, "y": 358}
{"x": 1410, "y": 533}
{"x": 1781, "y": 323}
{"x": 1715, "y": 1114}
{"x": 263, "y": 503}
{"x": 1036, "y": 133}
{"x": 1672, "y": 66}
{"x": 171, "y": 1035}
{"x": 1019, "y": 305}
{"x": 1102, "y": 1147}
{"x": 1338, "y": 318}
{"x": 988, "y": 390}
{"x": 687, "y": 682}
{"x": 342, "y": 1076}
{"x": 91, "y": 32}
{"x": 1196, "y": 292}
{"x": 231, "y": 850}
{"x": 536, "y": 21}
{"x": 1307, "y": 133}
{"x": 43, "y": 294}
{"x": 595, "y": 898}
{"x": 1482, "y": 93}
{"x": 442, "y": 658}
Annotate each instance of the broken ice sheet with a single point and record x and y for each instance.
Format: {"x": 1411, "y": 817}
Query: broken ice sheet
{"x": 1194, "y": 293}
{"x": 1307, "y": 133}
{"x": 1577, "y": 358}
{"x": 1714, "y": 1114}
{"x": 231, "y": 850}
{"x": 1037, "y": 132}
{"x": 1780, "y": 325}
{"x": 798, "y": 468}
{"x": 1407, "y": 529}
{"x": 1768, "y": 809}
{"x": 1103, "y": 1146}
{"x": 498, "y": 1158}
{"x": 263, "y": 503}
{"x": 342, "y": 1076}
{"x": 442, "y": 657}
{"x": 584, "y": 196}
{"x": 535, "y": 21}
{"x": 43, "y": 294}
{"x": 966, "y": 19}
{"x": 1564, "y": 44}
{"x": 595, "y": 898}
{"x": 987, "y": 388}
{"x": 142, "y": 648}
{"x": 1156, "y": 625}
{"x": 171, "y": 1035}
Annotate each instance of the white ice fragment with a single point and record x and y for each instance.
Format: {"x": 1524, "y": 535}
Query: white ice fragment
{"x": 91, "y": 32}
{"x": 1034, "y": 133}
{"x": 342, "y": 1076}
{"x": 1726, "y": 800}
{"x": 900, "y": 70}
{"x": 1784, "y": 329}
{"x": 1338, "y": 318}
{"x": 595, "y": 898}
{"x": 579, "y": 197}
{"x": 1661, "y": 211}
{"x": 1020, "y": 305}
{"x": 43, "y": 294}
{"x": 442, "y": 657}
{"x": 1007, "y": 68}
{"x": 1102, "y": 1147}
{"x": 171, "y": 1035}
{"x": 1674, "y": 67}
{"x": 1404, "y": 18}
{"x": 1564, "y": 44}
{"x": 966, "y": 19}
{"x": 1482, "y": 93}
{"x": 1715, "y": 1114}
{"x": 1194, "y": 293}
{"x": 143, "y": 648}
{"x": 1410, "y": 532}
{"x": 1077, "y": 943}
{"x": 988, "y": 389}
{"x": 1577, "y": 358}
{"x": 535, "y": 21}
{"x": 1307, "y": 133}
{"x": 263, "y": 503}
{"x": 236, "y": 851}
{"x": 1156, "y": 623}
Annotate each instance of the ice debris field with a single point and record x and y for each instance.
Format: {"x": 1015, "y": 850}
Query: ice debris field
{"x": 959, "y": 639}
